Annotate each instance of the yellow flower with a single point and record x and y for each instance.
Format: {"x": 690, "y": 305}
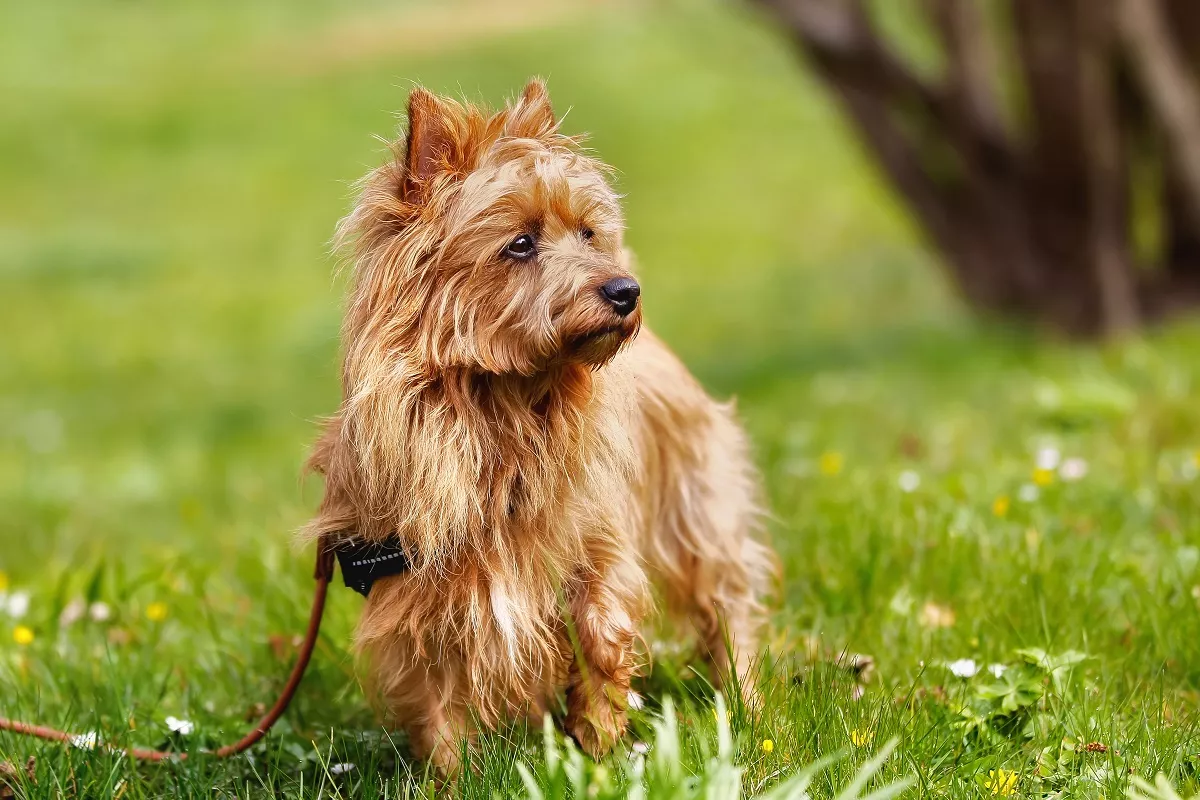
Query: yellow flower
{"x": 1000, "y": 505}
{"x": 861, "y": 738}
{"x": 768, "y": 745}
{"x": 3, "y": 581}
{"x": 156, "y": 612}
{"x": 1032, "y": 538}
{"x": 831, "y": 463}
{"x": 1043, "y": 477}
{"x": 1002, "y": 782}
{"x": 23, "y": 635}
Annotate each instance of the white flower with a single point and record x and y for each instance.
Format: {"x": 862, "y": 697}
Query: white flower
{"x": 635, "y": 701}
{"x": 86, "y": 741}
{"x": 17, "y": 604}
{"x": 902, "y": 602}
{"x": 1029, "y": 493}
{"x": 640, "y": 748}
{"x": 181, "y": 726}
{"x": 997, "y": 669}
{"x": 99, "y": 611}
{"x": 963, "y": 668}
{"x": 72, "y": 612}
{"x": 1048, "y": 458}
{"x": 1189, "y": 470}
{"x": 1146, "y": 497}
{"x": 1073, "y": 469}
{"x": 909, "y": 481}
{"x": 340, "y": 769}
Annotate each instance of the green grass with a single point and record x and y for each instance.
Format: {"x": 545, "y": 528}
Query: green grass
{"x": 171, "y": 175}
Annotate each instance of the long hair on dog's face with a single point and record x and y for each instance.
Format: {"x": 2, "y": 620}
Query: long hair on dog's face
{"x": 485, "y": 246}
{"x": 489, "y": 282}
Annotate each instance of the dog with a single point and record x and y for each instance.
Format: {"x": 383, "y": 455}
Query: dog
{"x": 536, "y": 450}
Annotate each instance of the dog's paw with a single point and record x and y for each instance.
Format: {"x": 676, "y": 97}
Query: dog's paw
{"x": 597, "y": 727}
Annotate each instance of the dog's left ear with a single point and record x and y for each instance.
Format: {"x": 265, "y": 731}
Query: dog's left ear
{"x": 532, "y": 117}
{"x": 429, "y": 142}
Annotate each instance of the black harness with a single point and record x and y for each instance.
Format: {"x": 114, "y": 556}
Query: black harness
{"x": 363, "y": 562}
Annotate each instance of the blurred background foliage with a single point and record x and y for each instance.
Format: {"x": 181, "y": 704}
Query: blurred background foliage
{"x": 1049, "y": 149}
{"x": 171, "y": 175}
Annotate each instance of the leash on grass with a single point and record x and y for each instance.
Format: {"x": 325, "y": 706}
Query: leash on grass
{"x": 323, "y": 573}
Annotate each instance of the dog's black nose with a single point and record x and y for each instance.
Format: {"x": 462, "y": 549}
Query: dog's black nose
{"x": 623, "y": 294}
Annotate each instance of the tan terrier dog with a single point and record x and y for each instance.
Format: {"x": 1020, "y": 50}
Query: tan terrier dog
{"x": 533, "y": 457}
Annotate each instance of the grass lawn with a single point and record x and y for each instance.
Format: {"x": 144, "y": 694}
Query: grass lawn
{"x": 1008, "y": 528}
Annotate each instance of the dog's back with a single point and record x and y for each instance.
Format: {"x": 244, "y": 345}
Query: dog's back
{"x": 700, "y": 496}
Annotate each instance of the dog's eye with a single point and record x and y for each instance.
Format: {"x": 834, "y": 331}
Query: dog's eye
{"x": 587, "y": 234}
{"x": 521, "y": 248}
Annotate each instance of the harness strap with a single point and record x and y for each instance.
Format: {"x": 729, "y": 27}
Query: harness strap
{"x": 364, "y": 562}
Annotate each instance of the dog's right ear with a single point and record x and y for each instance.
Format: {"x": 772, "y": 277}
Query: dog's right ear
{"x": 429, "y": 142}
{"x": 532, "y": 116}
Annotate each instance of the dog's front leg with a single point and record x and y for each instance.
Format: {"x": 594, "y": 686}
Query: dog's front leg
{"x": 605, "y": 611}
{"x": 438, "y": 736}
{"x": 424, "y": 700}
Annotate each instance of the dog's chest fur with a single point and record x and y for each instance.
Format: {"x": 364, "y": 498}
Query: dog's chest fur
{"x": 532, "y": 499}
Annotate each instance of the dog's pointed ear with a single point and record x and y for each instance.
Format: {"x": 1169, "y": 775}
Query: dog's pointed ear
{"x": 532, "y": 117}
{"x": 429, "y": 142}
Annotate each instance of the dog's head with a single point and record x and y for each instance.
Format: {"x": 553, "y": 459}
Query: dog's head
{"x": 490, "y": 243}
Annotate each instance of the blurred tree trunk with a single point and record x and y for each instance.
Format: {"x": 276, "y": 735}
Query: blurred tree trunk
{"x": 1051, "y": 156}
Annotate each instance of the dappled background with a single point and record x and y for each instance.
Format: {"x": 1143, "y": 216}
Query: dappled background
{"x": 171, "y": 175}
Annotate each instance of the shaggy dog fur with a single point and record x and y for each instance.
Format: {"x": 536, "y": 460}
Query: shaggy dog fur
{"x": 537, "y": 455}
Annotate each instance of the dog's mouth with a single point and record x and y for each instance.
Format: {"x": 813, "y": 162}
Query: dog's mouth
{"x": 623, "y": 329}
{"x": 599, "y": 333}
{"x": 599, "y": 345}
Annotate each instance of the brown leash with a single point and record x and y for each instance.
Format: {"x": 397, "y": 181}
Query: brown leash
{"x": 323, "y": 574}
